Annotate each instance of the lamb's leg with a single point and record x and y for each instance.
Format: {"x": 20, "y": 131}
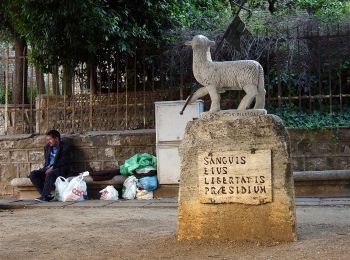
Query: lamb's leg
{"x": 215, "y": 98}
{"x": 251, "y": 93}
{"x": 260, "y": 100}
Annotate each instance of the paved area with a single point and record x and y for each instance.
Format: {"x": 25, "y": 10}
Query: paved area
{"x": 156, "y": 203}
{"x": 147, "y": 230}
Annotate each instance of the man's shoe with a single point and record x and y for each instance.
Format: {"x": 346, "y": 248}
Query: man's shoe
{"x": 40, "y": 199}
{"x": 44, "y": 199}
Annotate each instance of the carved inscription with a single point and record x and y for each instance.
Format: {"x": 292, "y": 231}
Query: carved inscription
{"x": 235, "y": 177}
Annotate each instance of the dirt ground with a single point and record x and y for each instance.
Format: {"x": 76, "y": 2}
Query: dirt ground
{"x": 140, "y": 233}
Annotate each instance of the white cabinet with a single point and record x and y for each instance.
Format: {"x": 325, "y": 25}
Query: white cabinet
{"x": 170, "y": 128}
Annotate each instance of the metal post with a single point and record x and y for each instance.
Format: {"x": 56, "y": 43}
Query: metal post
{"x": 6, "y": 87}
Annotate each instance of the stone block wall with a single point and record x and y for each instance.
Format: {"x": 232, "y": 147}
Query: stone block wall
{"x": 20, "y": 154}
{"x": 323, "y": 149}
{"x": 326, "y": 149}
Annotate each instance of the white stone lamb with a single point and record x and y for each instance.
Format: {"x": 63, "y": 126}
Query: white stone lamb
{"x": 217, "y": 77}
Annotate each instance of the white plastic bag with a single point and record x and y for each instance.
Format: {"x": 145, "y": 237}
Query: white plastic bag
{"x": 109, "y": 193}
{"x": 76, "y": 188}
{"x": 60, "y": 184}
{"x": 146, "y": 169}
{"x": 144, "y": 194}
{"x": 129, "y": 188}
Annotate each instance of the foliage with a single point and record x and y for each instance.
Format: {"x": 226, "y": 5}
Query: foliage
{"x": 201, "y": 14}
{"x": 64, "y": 32}
{"x": 265, "y": 15}
{"x": 326, "y": 10}
{"x": 67, "y": 32}
{"x": 2, "y": 94}
{"x": 295, "y": 118}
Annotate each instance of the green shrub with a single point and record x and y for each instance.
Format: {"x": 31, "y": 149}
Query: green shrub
{"x": 295, "y": 118}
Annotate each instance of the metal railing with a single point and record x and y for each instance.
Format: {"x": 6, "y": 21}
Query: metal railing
{"x": 308, "y": 68}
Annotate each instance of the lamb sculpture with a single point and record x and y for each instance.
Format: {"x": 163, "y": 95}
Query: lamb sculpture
{"x": 217, "y": 77}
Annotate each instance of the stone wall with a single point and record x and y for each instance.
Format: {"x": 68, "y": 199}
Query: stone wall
{"x": 19, "y": 154}
{"x": 317, "y": 150}
{"x": 327, "y": 149}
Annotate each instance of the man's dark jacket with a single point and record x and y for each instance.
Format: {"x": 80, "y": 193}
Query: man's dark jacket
{"x": 62, "y": 159}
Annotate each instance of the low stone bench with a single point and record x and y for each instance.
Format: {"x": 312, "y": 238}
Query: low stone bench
{"x": 26, "y": 190}
{"x": 329, "y": 183}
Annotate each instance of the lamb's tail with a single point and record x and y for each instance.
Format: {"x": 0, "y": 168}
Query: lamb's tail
{"x": 201, "y": 92}
{"x": 260, "y": 98}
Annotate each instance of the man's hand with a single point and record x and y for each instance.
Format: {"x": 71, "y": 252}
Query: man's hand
{"x": 49, "y": 170}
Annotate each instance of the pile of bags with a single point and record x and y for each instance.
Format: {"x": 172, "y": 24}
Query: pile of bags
{"x": 142, "y": 180}
{"x": 140, "y": 184}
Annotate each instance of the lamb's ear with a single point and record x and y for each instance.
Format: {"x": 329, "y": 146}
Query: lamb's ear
{"x": 211, "y": 43}
{"x": 188, "y": 43}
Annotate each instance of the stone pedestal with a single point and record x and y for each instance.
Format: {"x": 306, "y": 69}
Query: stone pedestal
{"x": 236, "y": 180}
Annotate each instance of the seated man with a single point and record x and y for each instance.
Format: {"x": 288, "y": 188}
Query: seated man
{"x": 57, "y": 163}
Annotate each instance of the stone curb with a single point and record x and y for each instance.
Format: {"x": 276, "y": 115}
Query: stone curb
{"x": 152, "y": 204}
{"x": 21, "y": 204}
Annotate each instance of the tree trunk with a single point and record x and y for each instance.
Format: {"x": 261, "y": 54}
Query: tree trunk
{"x": 40, "y": 82}
{"x": 19, "y": 89}
{"x": 55, "y": 81}
{"x": 92, "y": 77}
{"x": 67, "y": 80}
{"x": 235, "y": 30}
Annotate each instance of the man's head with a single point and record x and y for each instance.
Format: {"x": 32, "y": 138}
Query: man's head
{"x": 53, "y": 137}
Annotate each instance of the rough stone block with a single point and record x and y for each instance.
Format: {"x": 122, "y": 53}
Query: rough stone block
{"x": 36, "y": 156}
{"x": 124, "y": 152}
{"x": 305, "y": 147}
{"x": 298, "y": 164}
{"x": 110, "y": 165}
{"x": 344, "y": 133}
{"x": 332, "y": 163}
{"x": 23, "y": 170}
{"x": 295, "y": 134}
{"x": 7, "y": 144}
{"x": 132, "y": 140}
{"x": 343, "y": 162}
{"x": 7, "y": 173}
{"x": 316, "y": 164}
{"x": 24, "y": 143}
{"x": 106, "y": 153}
{"x": 143, "y": 149}
{"x": 39, "y": 141}
{"x": 98, "y": 141}
{"x": 325, "y": 147}
{"x": 36, "y": 166}
{"x": 19, "y": 156}
{"x": 4, "y": 156}
{"x": 344, "y": 148}
{"x": 293, "y": 148}
{"x": 113, "y": 140}
{"x": 322, "y": 134}
{"x": 224, "y": 213}
{"x": 96, "y": 166}
{"x": 88, "y": 154}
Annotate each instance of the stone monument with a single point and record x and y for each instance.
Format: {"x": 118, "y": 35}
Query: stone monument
{"x": 236, "y": 179}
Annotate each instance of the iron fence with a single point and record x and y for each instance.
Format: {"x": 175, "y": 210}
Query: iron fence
{"x": 308, "y": 67}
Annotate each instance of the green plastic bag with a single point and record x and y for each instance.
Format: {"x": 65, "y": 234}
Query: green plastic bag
{"x": 138, "y": 161}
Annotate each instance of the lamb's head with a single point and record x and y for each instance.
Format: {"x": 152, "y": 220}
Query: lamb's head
{"x": 200, "y": 41}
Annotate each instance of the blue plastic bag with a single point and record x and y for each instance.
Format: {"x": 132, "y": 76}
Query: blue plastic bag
{"x": 148, "y": 183}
